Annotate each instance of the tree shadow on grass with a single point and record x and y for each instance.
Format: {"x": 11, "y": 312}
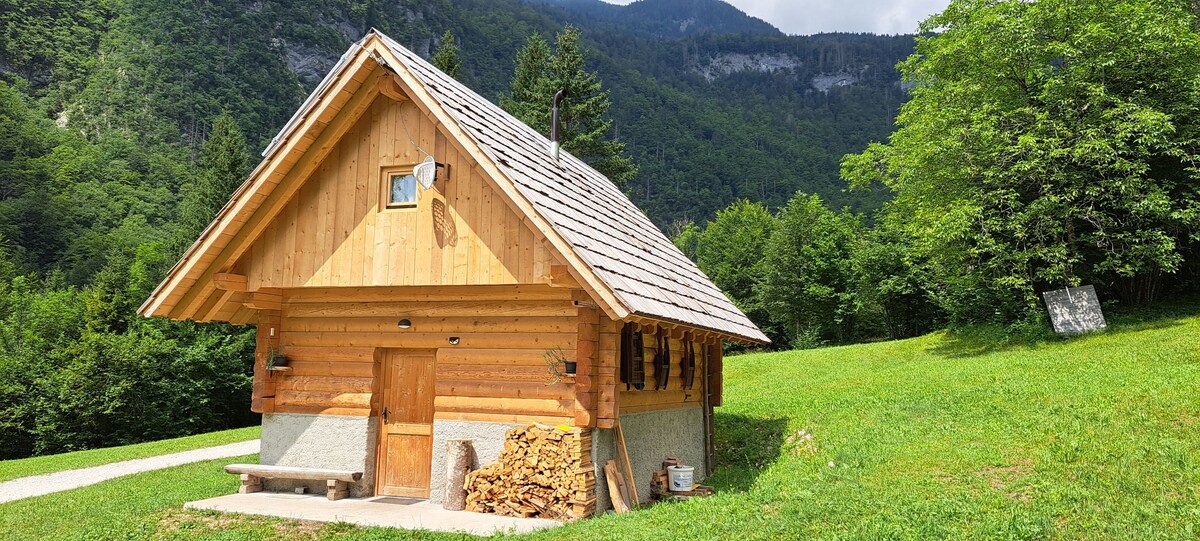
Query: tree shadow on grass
{"x": 983, "y": 339}
{"x": 979, "y": 340}
{"x": 745, "y": 446}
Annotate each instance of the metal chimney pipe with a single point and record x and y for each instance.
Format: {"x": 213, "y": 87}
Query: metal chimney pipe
{"x": 554, "y": 145}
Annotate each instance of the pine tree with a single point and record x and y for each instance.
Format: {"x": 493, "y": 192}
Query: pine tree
{"x": 539, "y": 74}
{"x": 446, "y": 56}
{"x": 527, "y": 99}
{"x": 224, "y": 163}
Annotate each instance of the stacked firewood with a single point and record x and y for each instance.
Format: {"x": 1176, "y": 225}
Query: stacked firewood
{"x": 543, "y": 472}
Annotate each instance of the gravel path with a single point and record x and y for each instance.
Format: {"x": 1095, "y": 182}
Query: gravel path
{"x": 37, "y": 485}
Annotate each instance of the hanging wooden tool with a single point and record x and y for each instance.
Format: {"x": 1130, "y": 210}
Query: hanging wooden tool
{"x": 688, "y": 362}
{"x": 662, "y": 359}
{"x": 633, "y": 368}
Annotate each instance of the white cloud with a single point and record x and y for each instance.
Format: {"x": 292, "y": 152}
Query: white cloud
{"x": 814, "y": 16}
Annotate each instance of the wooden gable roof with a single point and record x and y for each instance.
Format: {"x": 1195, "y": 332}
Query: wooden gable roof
{"x": 615, "y": 252}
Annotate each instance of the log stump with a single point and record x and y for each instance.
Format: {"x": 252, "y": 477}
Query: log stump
{"x": 459, "y": 457}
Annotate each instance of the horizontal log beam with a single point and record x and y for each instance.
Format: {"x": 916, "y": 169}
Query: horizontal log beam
{"x": 226, "y": 281}
{"x": 264, "y": 300}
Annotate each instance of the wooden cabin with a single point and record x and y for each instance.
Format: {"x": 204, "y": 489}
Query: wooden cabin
{"x": 410, "y": 316}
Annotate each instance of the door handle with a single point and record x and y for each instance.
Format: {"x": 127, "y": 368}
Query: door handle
{"x": 385, "y": 415}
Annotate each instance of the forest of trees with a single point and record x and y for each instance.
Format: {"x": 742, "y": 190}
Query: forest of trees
{"x": 1034, "y": 154}
{"x": 1066, "y": 160}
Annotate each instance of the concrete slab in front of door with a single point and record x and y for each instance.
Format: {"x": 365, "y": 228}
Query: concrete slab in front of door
{"x": 388, "y": 512}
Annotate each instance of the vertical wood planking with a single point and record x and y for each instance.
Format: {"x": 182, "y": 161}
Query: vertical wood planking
{"x": 336, "y": 230}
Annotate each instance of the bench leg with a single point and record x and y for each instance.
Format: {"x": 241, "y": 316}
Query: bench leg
{"x": 250, "y": 483}
{"x": 336, "y": 490}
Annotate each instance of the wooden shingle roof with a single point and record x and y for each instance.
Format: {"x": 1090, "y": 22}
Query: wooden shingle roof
{"x": 621, "y": 247}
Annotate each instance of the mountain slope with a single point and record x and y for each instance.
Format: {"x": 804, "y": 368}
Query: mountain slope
{"x": 710, "y": 117}
{"x": 664, "y": 18}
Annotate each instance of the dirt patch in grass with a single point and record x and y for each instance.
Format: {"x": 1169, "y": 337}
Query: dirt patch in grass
{"x": 1003, "y": 478}
{"x": 201, "y": 522}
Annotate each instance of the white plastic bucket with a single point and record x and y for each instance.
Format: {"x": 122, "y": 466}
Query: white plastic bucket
{"x": 681, "y": 477}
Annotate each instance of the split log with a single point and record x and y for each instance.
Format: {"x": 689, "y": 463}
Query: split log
{"x": 459, "y": 456}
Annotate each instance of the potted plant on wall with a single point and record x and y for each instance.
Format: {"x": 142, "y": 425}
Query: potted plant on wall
{"x": 557, "y": 365}
{"x": 276, "y": 360}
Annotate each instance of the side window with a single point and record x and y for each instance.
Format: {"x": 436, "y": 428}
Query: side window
{"x": 402, "y": 190}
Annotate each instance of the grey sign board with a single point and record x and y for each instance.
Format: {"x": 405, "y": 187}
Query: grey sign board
{"x": 1074, "y": 310}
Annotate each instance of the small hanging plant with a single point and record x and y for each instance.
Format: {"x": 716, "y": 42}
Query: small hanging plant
{"x": 557, "y": 365}
{"x": 276, "y": 359}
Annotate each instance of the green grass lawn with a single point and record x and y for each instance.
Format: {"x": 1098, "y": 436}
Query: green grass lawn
{"x": 942, "y": 436}
{"x": 38, "y": 465}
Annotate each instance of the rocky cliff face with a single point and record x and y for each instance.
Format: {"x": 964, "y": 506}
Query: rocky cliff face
{"x": 729, "y": 63}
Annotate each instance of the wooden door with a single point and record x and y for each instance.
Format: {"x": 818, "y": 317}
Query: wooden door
{"x": 406, "y": 423}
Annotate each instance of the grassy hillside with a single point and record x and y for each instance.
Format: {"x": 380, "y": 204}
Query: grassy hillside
{"x": 937, "y": 437}
{"x": 38, "y": 465}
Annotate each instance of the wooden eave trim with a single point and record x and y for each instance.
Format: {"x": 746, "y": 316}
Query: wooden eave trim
{"x": 608, "y": 301}
{"x": 670, "y": 324}
{"x": 252, "y": 193}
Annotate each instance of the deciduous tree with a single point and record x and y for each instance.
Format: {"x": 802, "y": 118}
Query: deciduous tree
{"x": 1047, "y": 144}
{"x": 809, "y": 285}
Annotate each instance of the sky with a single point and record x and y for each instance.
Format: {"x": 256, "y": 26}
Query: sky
{"x": 813, "y": 16}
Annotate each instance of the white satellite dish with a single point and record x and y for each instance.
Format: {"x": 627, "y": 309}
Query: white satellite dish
{"x": 426, "y": 172}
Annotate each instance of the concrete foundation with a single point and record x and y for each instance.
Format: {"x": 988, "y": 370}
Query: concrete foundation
{"x": 348, "y": 443}
{"x": 486, "y": 438}
{"x": 603, "y": 449}
{"x": 650, "y": 437}
{"x": 320, "y": 441}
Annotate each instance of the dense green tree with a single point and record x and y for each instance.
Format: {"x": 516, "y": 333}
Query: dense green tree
{"x": 810, "y": 287}
{"x": 45, "y": 40}
{"x": 1047, "y": 144}
{"x": 730, "y": 251}
{"x": 224, "y": 162}
{"x": 583, "y": 126}
{"x": 527, "y": 98}
{"x": 446, "y": 58}
{"x": 731, "y": 248}
{"x": 687, "y": 238}
{"x": 892, "y": 283}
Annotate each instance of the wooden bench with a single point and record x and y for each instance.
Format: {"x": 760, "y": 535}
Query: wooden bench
{"x": 337, "y": 481}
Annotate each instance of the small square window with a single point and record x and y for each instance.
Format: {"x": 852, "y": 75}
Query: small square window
{"x": 403, "y": 192}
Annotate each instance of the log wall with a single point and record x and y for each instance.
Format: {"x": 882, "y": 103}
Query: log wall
{"x": 496, "y": 372}
{"x": 674, "y": 395}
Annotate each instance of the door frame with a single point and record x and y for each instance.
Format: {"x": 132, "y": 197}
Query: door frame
{"x": 379, "y": 398}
